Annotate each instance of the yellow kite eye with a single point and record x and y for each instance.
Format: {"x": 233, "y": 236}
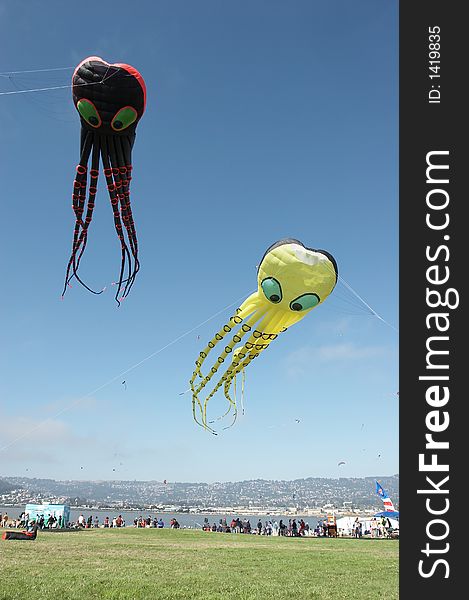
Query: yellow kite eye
{"x": 304, "y": 302}
{"x": 89, "y": 112}
{"x": 123, "y": 118}
{"x": 272, "y": 290}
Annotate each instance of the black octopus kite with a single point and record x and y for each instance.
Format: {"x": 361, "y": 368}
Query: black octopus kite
{"x": 110, "y": 99}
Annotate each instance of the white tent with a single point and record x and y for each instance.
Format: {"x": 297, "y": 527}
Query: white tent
{"x": 345, "y": 525}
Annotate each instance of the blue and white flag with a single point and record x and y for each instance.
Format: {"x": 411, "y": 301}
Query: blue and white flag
{"x": 388, "y": 505}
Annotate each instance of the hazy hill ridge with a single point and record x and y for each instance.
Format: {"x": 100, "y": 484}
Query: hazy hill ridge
{"x": 309, "y": 492}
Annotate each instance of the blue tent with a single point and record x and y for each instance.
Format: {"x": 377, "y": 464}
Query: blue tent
{"x": 392, "y": 514}
{"x": 46, "y": 509}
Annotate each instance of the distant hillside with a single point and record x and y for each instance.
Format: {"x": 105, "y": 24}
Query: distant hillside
{"x": 309, "y": 492}
{"x": 6, "y": 488}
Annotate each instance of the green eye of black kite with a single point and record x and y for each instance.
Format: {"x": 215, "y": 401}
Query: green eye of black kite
{"x": 123, "y": 118}
{"x": 88, "y": 111}
{"x": 272, "y": 290}
{"x": 304, "y": 302}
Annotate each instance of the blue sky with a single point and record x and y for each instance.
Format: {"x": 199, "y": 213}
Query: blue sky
{"x": 264, "y": 120}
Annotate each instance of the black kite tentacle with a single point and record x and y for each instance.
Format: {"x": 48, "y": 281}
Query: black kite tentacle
{"x": 94, "y": 174}
{"x": 81, "y": 242}
{"x": 78, "y": 199}
{"x": 118, "y": 191}
{"x": 126, "y": 155}
{"x": 122, "y": 184}
{"x": 115, "y": 209}
{"x": 122, "y": 207}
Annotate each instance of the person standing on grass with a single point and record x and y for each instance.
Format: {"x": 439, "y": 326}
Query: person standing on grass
{"x": 355, "y": 527}
{"x": 281, "y": 528}
{"x": 302, "y": 527}
{"x": 294, "y": 528}
{"x": 372, "y": 528}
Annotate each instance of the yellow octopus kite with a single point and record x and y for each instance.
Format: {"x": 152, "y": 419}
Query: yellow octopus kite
{"x": 291, "y": 281}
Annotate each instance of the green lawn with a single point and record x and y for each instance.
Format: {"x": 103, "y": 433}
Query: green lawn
{"x": 168, "y": 564}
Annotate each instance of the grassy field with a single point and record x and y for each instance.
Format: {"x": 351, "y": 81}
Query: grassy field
{"x": 168, "y": 564}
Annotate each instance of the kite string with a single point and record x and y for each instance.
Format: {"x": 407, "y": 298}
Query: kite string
{"x": 45, "y": 89}
{"x": 60, "y": 87}
{"x": 349, "y": 287}
{"x": 81, "y": 398}
{"x": 8, "y": 73}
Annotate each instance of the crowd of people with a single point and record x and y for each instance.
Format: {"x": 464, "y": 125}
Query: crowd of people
{"x": 119, "y": 521}
{"x": 379, "y": 528}
{"x": 376, "y": 528}
{"x": 93, "y": 523}
{"x": 25, "y": 522}
{"x": 294, "y": 528}
{"x": 47, "y": 521}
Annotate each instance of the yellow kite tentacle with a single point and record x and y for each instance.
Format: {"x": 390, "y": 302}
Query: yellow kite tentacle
{"x": 243, "y": 379}
{"x": 268, "y": 327}
{"x": 240, "y": 368}
{"x": 272, "y": 325}
{"x": 268, "y": 323}
{"x": 232, "y": 404}
{"x": 263, "y": 318}
{"x": 245, "y": 327}
{"x": 234, "y": 320}
{"x": 246, "y": 308}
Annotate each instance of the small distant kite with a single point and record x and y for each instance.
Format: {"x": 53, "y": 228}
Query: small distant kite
{"x": 342, "y": 462}
{"x": 297, "y": 420}
{"x": 291, "y": 281}
{"x": 110, "y": 99}
{"x": 124, "y": 384}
